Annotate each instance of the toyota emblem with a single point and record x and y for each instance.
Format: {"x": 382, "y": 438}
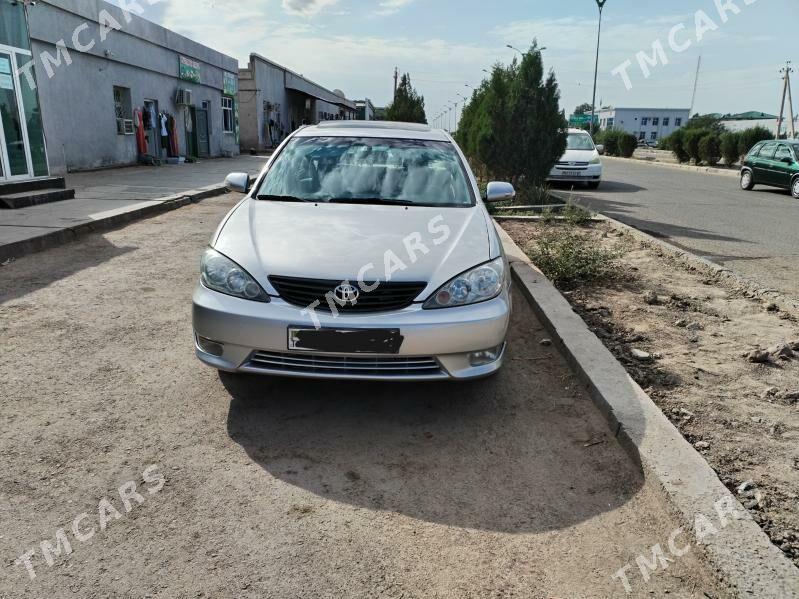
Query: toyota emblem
{"x": 347, "y": 294}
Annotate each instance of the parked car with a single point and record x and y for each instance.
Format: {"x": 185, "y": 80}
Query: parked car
{"x": 774, "y": 163}
{"x": 581, "y": 162}
{"x": 362, "y": 251}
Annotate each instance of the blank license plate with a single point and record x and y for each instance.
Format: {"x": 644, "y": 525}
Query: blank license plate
{"x": 346, "y": 341}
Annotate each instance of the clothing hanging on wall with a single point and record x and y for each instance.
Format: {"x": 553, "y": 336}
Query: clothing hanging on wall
{"x": 141, "y": 141}
{"x": 174, "y": 146}
{"x": 163, "y": 120}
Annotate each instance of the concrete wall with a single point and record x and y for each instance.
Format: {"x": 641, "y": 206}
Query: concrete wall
{"x": 77, "y": 101}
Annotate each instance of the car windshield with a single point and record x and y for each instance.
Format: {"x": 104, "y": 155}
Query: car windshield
{"x": 579, "y": 141}
{"x": 368, "y": 170}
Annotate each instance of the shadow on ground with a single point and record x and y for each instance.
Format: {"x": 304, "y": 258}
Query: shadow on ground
{"x": 525, "y": 451}
{"x": 622, "y": 211}
{"x": 605, "y": 187}
{"x": 29, "y": 273}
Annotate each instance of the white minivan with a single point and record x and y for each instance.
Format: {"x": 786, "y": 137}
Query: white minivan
{"x": 581, "y": 163}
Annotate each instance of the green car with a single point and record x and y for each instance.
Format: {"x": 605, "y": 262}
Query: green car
{"x": 774, "y": 163}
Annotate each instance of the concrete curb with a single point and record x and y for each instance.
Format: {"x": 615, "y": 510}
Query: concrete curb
{"x": 112, "y": 221}
{"x": 744, "y": 559}
{"x": 685, "y": 167}
{"x": 501, "y": 219}
{"x": 749, "y": 286}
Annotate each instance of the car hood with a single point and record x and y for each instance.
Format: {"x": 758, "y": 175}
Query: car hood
{"x": 339, "y": 241}
{"x": 578, "y": 155}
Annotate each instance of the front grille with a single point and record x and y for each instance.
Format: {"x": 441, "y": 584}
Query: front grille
{"x": 569, "y": 164}
{"x": 387, "y": 296}
{"x": 345, "y": 366}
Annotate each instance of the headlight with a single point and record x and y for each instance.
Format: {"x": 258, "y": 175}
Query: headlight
{"x": 225, "y": 276}
{"x": 596, "y": 160}
{"x": 479, "y": 284}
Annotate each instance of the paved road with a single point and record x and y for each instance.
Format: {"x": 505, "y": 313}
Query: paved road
{"x": 754, "y": 233}
{"x": 508, "y": 487}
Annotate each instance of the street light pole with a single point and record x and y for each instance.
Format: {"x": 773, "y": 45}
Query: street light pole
{"x": 600, "y": 4}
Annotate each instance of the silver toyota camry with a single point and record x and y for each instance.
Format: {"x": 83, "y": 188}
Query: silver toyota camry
{"x": 362, "y": 251}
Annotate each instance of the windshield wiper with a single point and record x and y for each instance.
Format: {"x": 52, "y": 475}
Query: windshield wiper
{"x": 273, "y": 198}
{"x": 385, "y": 201}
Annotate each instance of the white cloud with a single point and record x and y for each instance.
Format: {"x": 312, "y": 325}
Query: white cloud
{"x": 306, "y": 8}
{"x": 389, "y": 7}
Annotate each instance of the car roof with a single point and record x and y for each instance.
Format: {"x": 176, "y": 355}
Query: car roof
{"x": 386, "y": 129}
{"x": 573, "y": 130}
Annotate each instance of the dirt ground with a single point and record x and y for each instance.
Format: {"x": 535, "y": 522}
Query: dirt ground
{"x": 508, "y": 487}
{"x": 741, "y": 415}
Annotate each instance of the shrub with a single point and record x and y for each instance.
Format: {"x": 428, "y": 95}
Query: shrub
{"x": 710, "y": 149}
{"x": 627, "y": 144}
{"x": 576, "y": 215}
{"x": 569, "y": 258}
{"x": 610, "y": 139}
{"x": 532, "y": 195}
{"x": 676, "y": 143}
{"x": 729, "y": 147}
{"x": 750, "y": 137}
{"x": 692, "y": 138}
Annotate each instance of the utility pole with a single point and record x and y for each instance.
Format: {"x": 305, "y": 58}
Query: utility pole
{"x": 790, "y": 106}
{"x": 600, "y": 4}
{"x": 785, "y": 83}
{"x": 696, "y": 84}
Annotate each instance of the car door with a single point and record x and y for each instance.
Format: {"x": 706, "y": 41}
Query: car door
{"x": 784, "y": 166}
{"x": 763, "y": 164}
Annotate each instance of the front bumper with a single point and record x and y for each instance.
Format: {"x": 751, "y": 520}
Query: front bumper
{"x": 577, "y": 174}
{"x": 247, "y": 331}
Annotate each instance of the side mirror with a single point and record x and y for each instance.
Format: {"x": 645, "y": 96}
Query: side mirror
{"x": 787, "y": 160}
{"x": 500, "y": 192}
{"x": 238, "y": 182}
{"x": 600, "y": 148}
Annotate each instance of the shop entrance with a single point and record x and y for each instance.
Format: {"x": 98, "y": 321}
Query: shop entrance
{"x": 203, "y": 138}
{"x": 190, "y": 116}
{"x": 22, "y": 150}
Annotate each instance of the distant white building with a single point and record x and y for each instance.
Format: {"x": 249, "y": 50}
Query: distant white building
{"x": 650, "y": 124}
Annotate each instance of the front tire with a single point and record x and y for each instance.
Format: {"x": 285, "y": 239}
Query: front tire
{"x": 795, "y": 188}
{"x": 747, "y": 181}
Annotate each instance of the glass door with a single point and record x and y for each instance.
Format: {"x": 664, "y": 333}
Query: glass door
{"x": 14, "y": 150}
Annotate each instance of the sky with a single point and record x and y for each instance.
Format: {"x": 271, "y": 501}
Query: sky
{"x": 354, "y": 45}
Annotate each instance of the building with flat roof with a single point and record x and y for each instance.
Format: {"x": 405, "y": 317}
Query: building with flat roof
{"x": 650, "y": 124}
{"x": 365, "y": 110}
{"x": 90, "y": 86}
{"x": 274, "y": 101}
{"x": 752, "y": 119}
